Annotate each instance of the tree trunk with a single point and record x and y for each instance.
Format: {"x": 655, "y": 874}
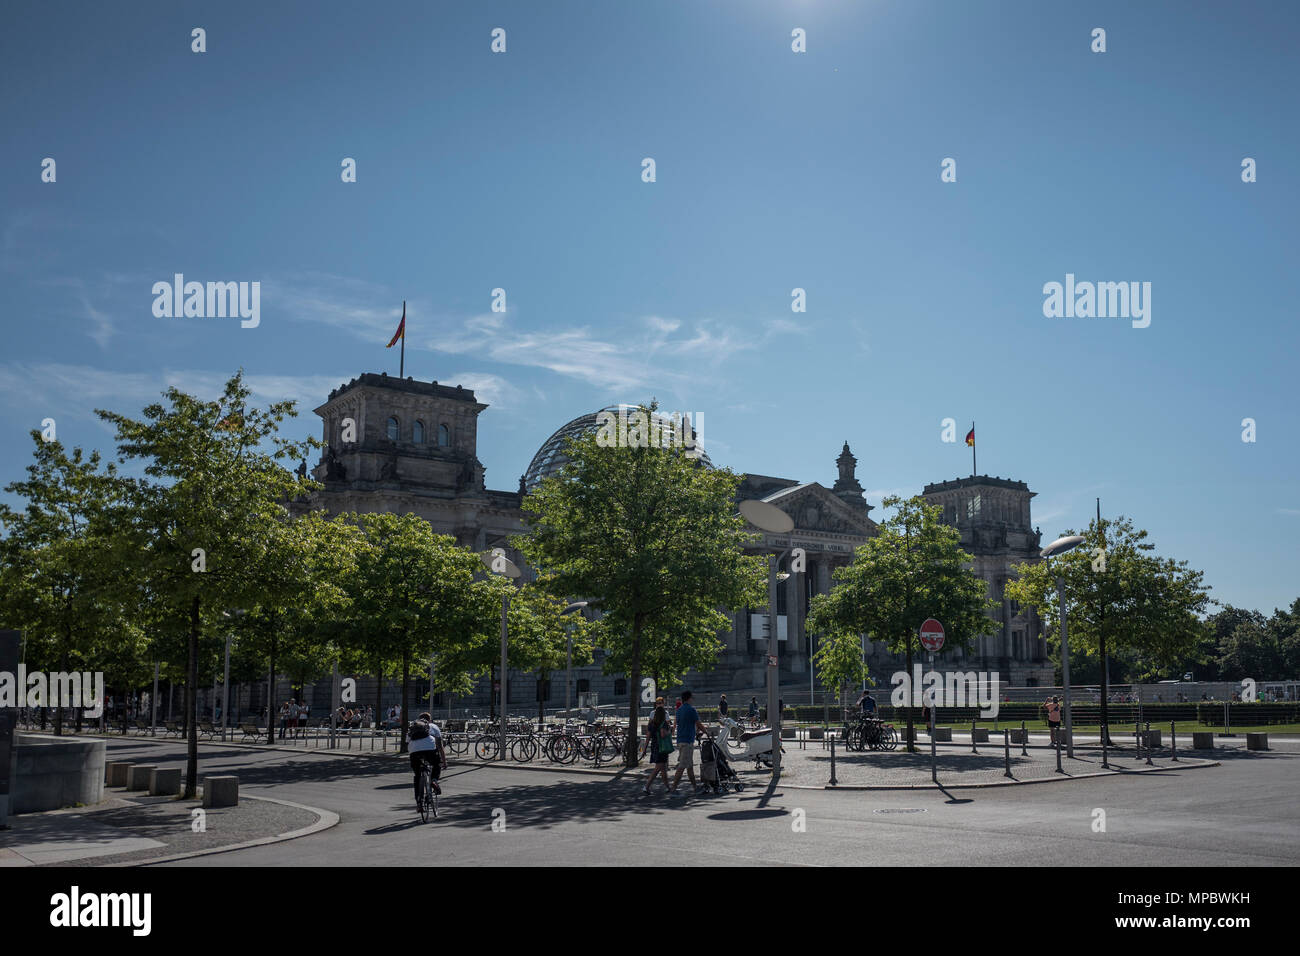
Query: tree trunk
{"x": 379, "y": 690}
{"x": 270, "y": 691}
{"x": 406, "y": 680}
{"x": 633, "y": 697}
{"x": 541, "y": 698}
{"x": 492, "y": 693}
{"x": 191, "y": 706}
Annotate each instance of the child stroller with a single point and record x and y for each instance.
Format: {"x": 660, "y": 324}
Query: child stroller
{"x": 715, "y": 768}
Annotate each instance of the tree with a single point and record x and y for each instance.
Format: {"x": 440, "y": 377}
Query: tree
{"x": 839, "y": 663}
{"x": 413, "y": 595}
{"x": 912, "y": 569}
{"x": 53, "y": 584}
{"x": 652, "y": 538}
{"x": 210, "y": 529}
{"x": 1132, "y": 601}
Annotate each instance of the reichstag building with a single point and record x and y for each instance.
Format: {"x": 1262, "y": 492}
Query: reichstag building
{"x": 416, "y": 451}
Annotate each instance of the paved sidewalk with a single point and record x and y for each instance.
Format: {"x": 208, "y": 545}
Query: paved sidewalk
{"x": 139, "y": 828}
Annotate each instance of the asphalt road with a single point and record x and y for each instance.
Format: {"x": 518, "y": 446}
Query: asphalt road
{"x": 1245, "y": 812}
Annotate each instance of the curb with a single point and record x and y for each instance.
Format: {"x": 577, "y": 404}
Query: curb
{"x": 325, "y": 819}
{"x": 1064, "y": 778}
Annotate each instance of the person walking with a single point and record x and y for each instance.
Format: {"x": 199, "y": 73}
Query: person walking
{"x": 1053, "y": 705}
{"x": 722, "y": 706}
{"x": 688, "y": 728}
{"x": 660, "y": 737}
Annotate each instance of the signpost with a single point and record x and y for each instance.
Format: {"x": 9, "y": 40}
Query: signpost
{"x": 932, "y": 640}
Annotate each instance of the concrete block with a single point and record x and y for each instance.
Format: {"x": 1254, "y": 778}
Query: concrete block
{"x": 137, "y": 776}
{"x": 1256, "y": 741}
{"x": 816, "y": 733}
{"x": 1202, "y": 740}
{"x": 787, "y": 733}
{"x": 165, "y": 781}
{"x": 981, "y": 735}
{"x": 115, "y": 773}
{"x": 1151, "y": 738}
{"x": 1018, "y": 736}
{"x": 942, "y": 734}
{"x": 221, "y": 792}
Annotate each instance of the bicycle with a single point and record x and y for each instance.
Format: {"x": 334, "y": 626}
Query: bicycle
{"x": 427, "y": 802}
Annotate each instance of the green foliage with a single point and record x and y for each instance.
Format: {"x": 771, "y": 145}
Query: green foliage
{"x": 1143, "y": 604}
{"x": 652, "y": 538}
{"x": 839, "y": 662}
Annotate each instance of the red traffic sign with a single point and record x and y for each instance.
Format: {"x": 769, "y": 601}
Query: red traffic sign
{"x": 931, "y": 635}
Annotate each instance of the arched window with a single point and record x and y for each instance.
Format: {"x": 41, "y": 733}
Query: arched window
{"x": 392, "y": 429}
{"x": 417, "y": 432}
{"x": 444, "y": 436}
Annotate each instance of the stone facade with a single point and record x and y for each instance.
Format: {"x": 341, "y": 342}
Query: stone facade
{"x": 414, "y": 449}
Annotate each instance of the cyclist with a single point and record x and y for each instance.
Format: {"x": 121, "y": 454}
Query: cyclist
{"x": 424, "y": 743}
{"x": 867, "y": 703}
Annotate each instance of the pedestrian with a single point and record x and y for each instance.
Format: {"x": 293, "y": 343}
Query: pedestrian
{"x": 1053, "y": 706}
{"x": 722, "y": 706}
{"x": 688, "y": 728}
{"x": 753, "y": 707}
{"x": 284, "y": 717}
{"x": 660, "y": 737}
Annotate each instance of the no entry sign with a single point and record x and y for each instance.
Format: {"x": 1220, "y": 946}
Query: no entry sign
{"x": 931, "y": 635}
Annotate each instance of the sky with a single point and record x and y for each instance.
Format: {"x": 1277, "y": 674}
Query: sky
{"x": 775, "y": 170}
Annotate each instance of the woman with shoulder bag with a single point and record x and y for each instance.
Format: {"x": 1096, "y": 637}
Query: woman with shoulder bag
{"x": 660, "y": 746}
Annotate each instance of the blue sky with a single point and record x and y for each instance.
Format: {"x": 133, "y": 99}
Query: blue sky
{"x": 775, "y": 170}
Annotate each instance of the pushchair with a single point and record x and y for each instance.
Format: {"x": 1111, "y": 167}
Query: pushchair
{"x": 715, "y": 768}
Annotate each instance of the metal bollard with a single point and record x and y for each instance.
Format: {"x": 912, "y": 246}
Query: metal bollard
{"x": 1058, "y": 754}
{"x": 1173, "y": 740}
{"x": 1024, "y": 740}
{"x": 973, "y": 748}
{"x": 1006, "y": 747}
{"x": 833, "y": 780}
{"x": 1149, "y": 744}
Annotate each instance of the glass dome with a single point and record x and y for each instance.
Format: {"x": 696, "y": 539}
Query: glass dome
{"x": 550, "y": 458}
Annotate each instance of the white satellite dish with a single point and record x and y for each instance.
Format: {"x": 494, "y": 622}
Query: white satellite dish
{"x": 767, "y": 517}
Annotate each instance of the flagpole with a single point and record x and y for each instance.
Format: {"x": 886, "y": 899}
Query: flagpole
{"x": 401, "y": 368}
{"x": 973, "y": 470}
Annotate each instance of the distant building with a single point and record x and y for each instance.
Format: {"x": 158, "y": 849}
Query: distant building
{"x": 415, "y": 450}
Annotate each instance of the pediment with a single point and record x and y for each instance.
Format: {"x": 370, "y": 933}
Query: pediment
{"x": 816, "y": 508}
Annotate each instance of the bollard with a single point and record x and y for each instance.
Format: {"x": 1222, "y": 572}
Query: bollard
{"x": 1137, "y": 737}
{"x": 833, "y": 780}
{"x": 1173, "y": 741}
{"x": 1148, "y": 743}
{"x": 1024, "y": 740}
{"x": 1058, "y": 754}
{"x": 1105, "y": 734}
{"x": 1006, "y": 748}
{"x": 973, "y": 748}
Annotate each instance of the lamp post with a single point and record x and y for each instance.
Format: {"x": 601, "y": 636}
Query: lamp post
{"x": 237, "y": 614}
{"x": 768, "y": 517}
{"x": 1060, "y": 546}
{"x": 498, "y": 563}
{"x": 568, "y": 664}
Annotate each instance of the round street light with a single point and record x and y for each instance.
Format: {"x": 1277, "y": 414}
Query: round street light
{"x": 568, "y": 668}
{"x": 768, "y": 517}
{"x": 497, "y": 562}
{"x": 1059, "y": 547}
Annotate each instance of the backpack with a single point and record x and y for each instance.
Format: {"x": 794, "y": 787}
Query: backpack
{"x": 665, "y": 739}
{"x": 418, "y": 730}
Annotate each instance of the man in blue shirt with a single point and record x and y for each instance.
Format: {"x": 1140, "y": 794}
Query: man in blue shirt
{"x": 867, "y": 703}
{"x": 688, "y": 728}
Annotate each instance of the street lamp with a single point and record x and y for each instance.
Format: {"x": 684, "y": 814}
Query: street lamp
{"x": 768, "y": 517}
{"x": 568, "y": 667}
{"x": 238, "y": 614}
{"x": 498, "y": 563}
{"x": 1060, "y": 546}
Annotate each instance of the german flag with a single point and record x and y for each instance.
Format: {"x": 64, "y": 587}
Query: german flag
{"x": 970, "y": 438}
{"x": 401, "y": 330}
